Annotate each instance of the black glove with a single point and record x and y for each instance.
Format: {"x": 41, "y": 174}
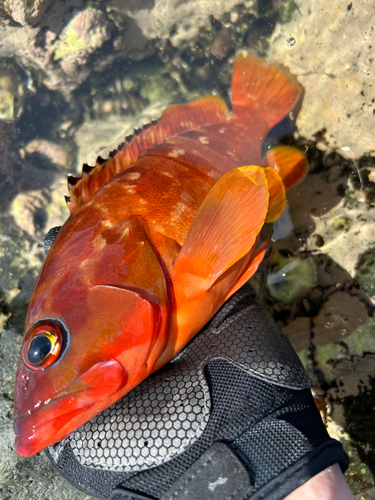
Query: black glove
{"x": 230, "y": 418}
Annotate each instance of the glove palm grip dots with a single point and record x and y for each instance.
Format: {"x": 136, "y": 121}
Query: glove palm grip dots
{"x": 230, "y": 418}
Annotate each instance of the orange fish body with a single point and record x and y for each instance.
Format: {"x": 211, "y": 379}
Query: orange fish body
{"x": 159, "y": 236}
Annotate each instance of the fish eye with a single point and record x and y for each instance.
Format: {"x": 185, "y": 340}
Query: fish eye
{"x": 42, "y": 347}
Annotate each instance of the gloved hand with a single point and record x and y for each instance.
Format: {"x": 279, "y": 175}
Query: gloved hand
{"x": 230, "y": 418}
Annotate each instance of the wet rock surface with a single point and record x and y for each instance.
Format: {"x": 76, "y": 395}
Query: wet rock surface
{"x": 76, "y": 77}
{"x": 330, "y": 47}
{"x": 26, "y": 12}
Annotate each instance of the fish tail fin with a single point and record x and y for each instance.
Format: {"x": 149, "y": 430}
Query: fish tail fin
{"x": 265, "y": 89}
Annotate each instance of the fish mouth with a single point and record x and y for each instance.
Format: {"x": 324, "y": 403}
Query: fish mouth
{"x": 70, "y": 408}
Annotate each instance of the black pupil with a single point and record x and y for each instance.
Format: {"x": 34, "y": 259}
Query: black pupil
{"x": 40, "y": 347}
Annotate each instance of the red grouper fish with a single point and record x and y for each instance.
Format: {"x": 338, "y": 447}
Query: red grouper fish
{"x": 158, "y": 237}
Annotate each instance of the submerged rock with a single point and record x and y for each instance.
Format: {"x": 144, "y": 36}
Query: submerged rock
{"x": 175, "y": 20}
{"x": 26, "y": 11}
{"x": 350, "y": 419}
{"x": 83, "y": 35}
{"x": 349, "y": 225}
{"x": 332, "y": 54}
{"x": 290, "y": 276}
{"x": 365, "y": 271}
{"x": 12, "y": 91}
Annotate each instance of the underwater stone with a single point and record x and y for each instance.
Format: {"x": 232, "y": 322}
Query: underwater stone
{"x": 10, "y": 168}
{"x": 17, "y": 258}
{"x": 298, "y": 333}
{"x": 83, "y": 35}
{"x": 186, "y": 17}
{"x": 290, "y": 276}
{"x": 349, "y": 225}
{"x": 12, "y": 92}
{"x": 26, "y": 11}
{"x": 361, "y": 341}
{"x": 52, "y": 153}
{"x": 365, "y": 272}
{"x": 36, "y": 211}
{"x": 352, "y": 400}
{"x": 222, "y": 44}
{"x": 341, "y": 223}
{"x": 339, "y": 316}
{"x": 333, "y": 58}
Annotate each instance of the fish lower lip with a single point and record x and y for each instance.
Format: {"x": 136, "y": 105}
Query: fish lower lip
{"x": 74, "y": 406}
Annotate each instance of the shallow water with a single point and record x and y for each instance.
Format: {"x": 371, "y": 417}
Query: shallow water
{"x": 65, "y": 98}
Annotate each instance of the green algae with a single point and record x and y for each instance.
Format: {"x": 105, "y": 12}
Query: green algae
{"x": 341, "y": 224}
{"x": 286, "y": 11}
{"x": 72, "y": 43}
{"x": 365, "y": 272}
{"x": 290, "y": 276}
{"x": 326, "y": 354}
{"x": 361, "y": 341}
{"x": 84, "y": 33}
{"x": 358, "y": 475}
{"x": 6, "y": 106}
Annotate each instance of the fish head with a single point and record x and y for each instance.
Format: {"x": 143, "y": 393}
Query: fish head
{"x": 95, "y": 327}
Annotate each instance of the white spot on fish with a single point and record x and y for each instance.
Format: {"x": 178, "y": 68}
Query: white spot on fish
{"x": 178, "y": 211}
{"x": 168, "y": 174}
{"x": 99, "y": 243}
{"x": 176, "y": 152}
{"x": 143, "y": 202}
{"x": 203, "y": 140}
{"x": 186, "y": 196}
{"x": 231, "y": 153}
{"x": 106, "y": 223}
{"x": 132, "y": 176}
{"x": 222, "y": 130}
{"x": 130, "y": 186}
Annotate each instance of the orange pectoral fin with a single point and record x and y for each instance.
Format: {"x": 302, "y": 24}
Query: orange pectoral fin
{"x": 277, "y": 200}
{"x": 289, "y": 162}
{"x": 226, "y": 225}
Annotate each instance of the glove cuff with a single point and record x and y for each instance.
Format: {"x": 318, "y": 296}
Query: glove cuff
{"x": 220, "y": 475}
{"x": 299, "y": 473}
{"x": 279, "y": 457}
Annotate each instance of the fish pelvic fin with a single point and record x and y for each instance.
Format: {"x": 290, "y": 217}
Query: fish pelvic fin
{"x": 265, "y": 89}
{"x": 175, "y": 120}
{"x": 290, "y": 164}
{"x": 255, "y": 260}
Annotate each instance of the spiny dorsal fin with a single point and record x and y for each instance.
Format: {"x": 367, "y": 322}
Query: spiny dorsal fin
{"x": 175, "y": 120}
